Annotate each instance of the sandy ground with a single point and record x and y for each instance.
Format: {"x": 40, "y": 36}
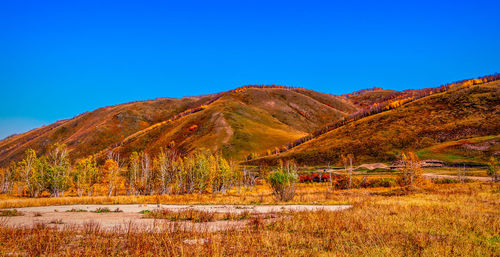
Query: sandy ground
{"x": 431, "y": 175}
{"x": 372, "y": 166}
{"x": 57, "y": 216}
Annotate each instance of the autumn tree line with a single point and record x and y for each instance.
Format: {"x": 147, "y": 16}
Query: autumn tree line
{"x": 140, "y": 174}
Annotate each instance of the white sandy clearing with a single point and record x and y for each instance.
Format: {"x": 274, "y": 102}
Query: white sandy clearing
{"x": 57, "y": 216}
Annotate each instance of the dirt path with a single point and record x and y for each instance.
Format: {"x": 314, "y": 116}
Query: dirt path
{"x": 129, "y": 215}
{"x": 432, "y": 175}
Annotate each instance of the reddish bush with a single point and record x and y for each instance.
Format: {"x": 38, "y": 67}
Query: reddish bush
{"x": 305, "y": 179}
{"x": 315, "y": 177}
{"x": 325, "y": 177}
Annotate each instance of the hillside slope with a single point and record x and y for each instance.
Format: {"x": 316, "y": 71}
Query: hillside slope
{"x": 460, "y": 113}
{"x": 245, "y": 121}
{"x": 236, "y": 122}
{"x": 469, "y": 150}
{"x": 93, "y": 131}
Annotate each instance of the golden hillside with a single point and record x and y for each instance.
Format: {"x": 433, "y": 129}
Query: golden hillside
{"x": 466, "y": 111}
{"x": 244, "y": 121}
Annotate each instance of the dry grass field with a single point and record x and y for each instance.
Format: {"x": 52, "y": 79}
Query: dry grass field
{"x": 429, "y": 220}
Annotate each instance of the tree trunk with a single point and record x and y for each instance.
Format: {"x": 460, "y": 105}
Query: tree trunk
{"x": 350, "y": 173}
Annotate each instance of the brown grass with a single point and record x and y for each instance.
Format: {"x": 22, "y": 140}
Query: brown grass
{"x": 259, "y": 195}
{"x": 444, "y": 220}
{"x": 195, "y": 215}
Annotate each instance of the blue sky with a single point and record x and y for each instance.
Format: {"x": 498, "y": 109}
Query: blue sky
{"x": 62, "y": 58}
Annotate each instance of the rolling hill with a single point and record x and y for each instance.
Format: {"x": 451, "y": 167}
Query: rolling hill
{"x": 244, "y": 121}
{"x": 93, "y": 131}
{"x": 237, "y": 122}
{"x": 454, "y": 123}
{"x": 429, "y": 125}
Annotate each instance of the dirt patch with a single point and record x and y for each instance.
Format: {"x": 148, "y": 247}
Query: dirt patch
{"x": 431, "y": 176}
{"x": 125, "y": 215}
{"x": 221, "y": 126}
{"x": 483, "y": 146}
{"x": 372, "y": 166}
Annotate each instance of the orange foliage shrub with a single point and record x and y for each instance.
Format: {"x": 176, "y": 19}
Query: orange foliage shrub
{"x": 193, "y": 128}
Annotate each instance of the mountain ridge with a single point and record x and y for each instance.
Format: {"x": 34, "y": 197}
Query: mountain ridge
{"x": 242, "y": 122}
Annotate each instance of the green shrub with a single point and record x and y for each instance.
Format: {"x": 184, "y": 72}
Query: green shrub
{"x": 10, "y": 213}
{"x": 282, "y": 181}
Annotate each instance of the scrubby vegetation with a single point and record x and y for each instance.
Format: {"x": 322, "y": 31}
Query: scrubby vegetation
{"x": 282, "y": 181}
{"x": 76, "y": 210}
{"x": 444, "y": 220}
{"x": 187, "y": 215}
{"x": 449, "y": 181}
{"x": 10, "y": 213}
{"x": 493, "y": 169}
{"x": 105, "y": 210}
{"x": 195, "y": 215}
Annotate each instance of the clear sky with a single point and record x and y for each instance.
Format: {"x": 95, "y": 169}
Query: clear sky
{"x": 61, "y": 58}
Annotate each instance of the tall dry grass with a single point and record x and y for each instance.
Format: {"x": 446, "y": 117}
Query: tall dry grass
{"x": 444, "y": 220}
{"x": 261, "y": 194}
